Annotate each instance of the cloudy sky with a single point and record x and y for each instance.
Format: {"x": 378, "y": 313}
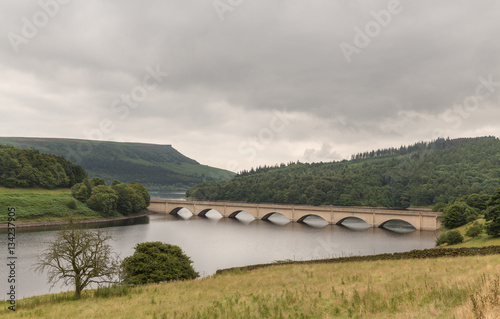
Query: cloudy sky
{"x": 241, "y": 83}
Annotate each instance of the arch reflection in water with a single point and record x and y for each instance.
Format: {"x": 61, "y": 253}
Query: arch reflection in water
{"x": 354, "y": 223}
{"x": 242, "y": 216}
{"x": 212, "y": 214}
{"x": 276, "y": 218}
{"x": 182, "y": 213}
{"x": 313, "y": 221}
{"x": 398, "y": 226}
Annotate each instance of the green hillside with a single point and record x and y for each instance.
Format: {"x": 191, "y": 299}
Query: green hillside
{"x": 418, "y": 175}
{"x": 154, "y": 166}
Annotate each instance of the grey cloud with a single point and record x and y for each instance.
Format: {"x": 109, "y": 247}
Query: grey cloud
{"x": 264, "y": 56}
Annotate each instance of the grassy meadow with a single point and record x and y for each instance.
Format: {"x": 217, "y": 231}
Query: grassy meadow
{"x": 38, "y": 205}
{"x": 461, "y": 287}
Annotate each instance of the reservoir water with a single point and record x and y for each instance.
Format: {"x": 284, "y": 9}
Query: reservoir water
{"x": 216, "y": 243}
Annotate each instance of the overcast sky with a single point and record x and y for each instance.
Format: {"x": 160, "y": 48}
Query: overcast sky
{"x": 241, "y": 83}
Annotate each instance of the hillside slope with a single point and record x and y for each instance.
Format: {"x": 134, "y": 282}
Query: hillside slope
{"x": 154, "y": 166}
{"x": 418, "y": 175}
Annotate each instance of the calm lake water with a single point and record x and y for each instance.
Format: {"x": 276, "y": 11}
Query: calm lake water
{"x": 216, "y": 243}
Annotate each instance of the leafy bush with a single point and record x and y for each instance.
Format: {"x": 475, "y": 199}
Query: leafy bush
{"x": 474, "y": 230}
{"x": 458, "y": 214}
{"x": 451, "y": 237}
{"x": 154, "y": 262}
{"x": 80, "y": 192}
{"x": 442, "y": 239}
{"x": 103, "y": 200}
{"x": 454, "y": 237}
{"x": 71, "y": 204}
{"x": 132, "y": 198}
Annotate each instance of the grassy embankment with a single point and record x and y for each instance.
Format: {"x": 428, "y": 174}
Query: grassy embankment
{"x": 39, "y": 205}
{"x": 460, "y": 287}
{"x": 479, "y": 241}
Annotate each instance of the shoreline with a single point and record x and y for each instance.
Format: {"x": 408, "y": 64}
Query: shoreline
{"x": 83, "y": 221}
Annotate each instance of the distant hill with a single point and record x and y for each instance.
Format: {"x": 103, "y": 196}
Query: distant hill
{"x": 154, "y": 166}
{"x": 418, "y": 175}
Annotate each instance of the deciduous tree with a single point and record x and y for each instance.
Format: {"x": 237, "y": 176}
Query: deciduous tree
{"x": 80, "y": 257}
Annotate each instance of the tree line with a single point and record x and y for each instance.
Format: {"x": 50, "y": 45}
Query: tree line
{"x": 29, "y": 169}
{"x": 418, "y": 175}
{"x": 117, "y": 199}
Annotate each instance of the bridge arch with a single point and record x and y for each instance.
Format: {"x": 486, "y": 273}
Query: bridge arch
{"x": 234, "y": 214}
{"x": 267, "y": 216}
{"x": 204, "y": 212}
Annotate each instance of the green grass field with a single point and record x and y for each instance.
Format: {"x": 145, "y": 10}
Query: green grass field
{"x": 37, "y": 205}
{"x": 461, "y": 287}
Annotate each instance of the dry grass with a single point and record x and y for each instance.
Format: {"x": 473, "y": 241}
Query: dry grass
{"x": 431, "y": 288}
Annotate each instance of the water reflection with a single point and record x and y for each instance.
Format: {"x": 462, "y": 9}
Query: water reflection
{"x": 399, "y": 226}
{"x": 355, "y": 223}
{"x": 278, "y": 219}
{"x": 315, "y": 221}
{"x": 244, "y": 217}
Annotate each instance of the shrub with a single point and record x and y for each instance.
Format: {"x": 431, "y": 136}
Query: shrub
{"x": 442, "y": 239}
{"x": 154, "y": 262}
{"x": 71, "y": 204}
{"x": 474, "y": 230}
{"x": 451, "y": 237}
{"x": 80, "y": 192}
{"x": 458, "y": 214}
{"x": 103, "y": 200}
{"x": 454, "y": 237}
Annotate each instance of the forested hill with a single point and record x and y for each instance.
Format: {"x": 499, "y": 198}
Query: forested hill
{"x": 30, "y": 168}
{"x": 418, "y": 175}
{"x": 154, "y": 166}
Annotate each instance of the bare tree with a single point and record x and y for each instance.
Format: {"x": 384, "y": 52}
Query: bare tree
{"x": 80, "y": 257}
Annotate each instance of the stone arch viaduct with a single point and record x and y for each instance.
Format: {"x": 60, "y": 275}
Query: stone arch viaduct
{"x": 421, "y": 219}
